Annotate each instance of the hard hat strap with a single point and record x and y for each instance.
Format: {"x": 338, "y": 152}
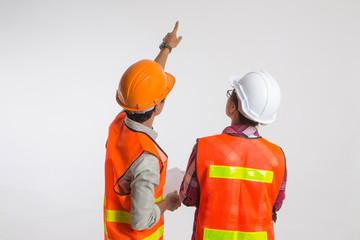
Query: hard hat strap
{"x": 140, "y": 112}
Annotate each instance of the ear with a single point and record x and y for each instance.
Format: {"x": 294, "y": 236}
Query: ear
{"x": 233, "y": 108}
{"x": 157, "y": 108}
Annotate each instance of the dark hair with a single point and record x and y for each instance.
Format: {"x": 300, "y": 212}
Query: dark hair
{"x": 242, "y": 118}
{"x": 140, "y": 117}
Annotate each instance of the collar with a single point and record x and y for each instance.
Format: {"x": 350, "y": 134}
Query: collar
{"x": 242, "y": 131}
{"x": 140, "y": 128}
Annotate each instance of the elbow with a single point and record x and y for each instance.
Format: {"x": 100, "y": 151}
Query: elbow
{"x": 138, "y": 226}
{"x": 143, "y": 221}
{"x": 190, "y": 204}
{"x": 187, "y": 201}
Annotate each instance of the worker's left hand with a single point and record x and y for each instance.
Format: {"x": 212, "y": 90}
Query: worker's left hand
{"x": 173, "y": 201}
{"x": 171, "y": 37}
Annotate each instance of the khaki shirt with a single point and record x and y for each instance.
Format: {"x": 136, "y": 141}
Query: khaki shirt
{"x": 140, "y": 180}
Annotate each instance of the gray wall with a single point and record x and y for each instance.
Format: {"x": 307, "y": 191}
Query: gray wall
{"x": 60, "y": 65}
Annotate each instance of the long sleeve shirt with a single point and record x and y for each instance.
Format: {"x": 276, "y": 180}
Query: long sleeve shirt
{"x": 190, "y": 189}
{"x": 140, "y": 180}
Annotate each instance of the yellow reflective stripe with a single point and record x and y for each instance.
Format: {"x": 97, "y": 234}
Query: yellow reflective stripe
{"x": 117, "y": 216}
{"x": 156, "y": 235}
{"x": 122, "y": 216}
{"x": 241, "y": 173}
{"x": 214, "y": 234}
{"x": 159, "y": 199}
{"x": 105, "y": 229}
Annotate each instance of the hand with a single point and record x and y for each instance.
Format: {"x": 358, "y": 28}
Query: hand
{"x": 173, "y": 201}
{"x": 171, "y": 37}
{"x": 172, "y": 40}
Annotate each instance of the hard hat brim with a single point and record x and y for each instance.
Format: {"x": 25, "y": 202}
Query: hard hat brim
{"x": 169, "y": 84}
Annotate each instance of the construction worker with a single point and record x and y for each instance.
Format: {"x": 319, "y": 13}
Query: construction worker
{"x": 236, "y": 180}
{"x": 135, "y": 166}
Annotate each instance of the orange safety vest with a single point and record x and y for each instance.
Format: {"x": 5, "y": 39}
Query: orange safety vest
{"x": 124, "y": 146}
{"x": 239, "y": 181}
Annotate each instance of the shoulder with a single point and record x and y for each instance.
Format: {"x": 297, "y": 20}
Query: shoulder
{"x": 118, "y": 119}
{"x": 267, "y": 142}
{"x": 276, "y": 148}
{"x": 146, "y": 162}
{"x": 212, "y": 137}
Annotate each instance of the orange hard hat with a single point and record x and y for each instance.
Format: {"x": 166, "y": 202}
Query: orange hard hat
{"x": 143, "y": 85}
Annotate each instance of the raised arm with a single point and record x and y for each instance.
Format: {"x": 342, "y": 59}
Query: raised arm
{"x": 170, "y": 40}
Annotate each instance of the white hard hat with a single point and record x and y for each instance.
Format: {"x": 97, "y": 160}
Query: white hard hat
{"x": 259, "y": 96}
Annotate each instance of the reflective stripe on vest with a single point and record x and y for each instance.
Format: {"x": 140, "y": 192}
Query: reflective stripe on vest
{"x": 214, "y": 234}
{"x": 159, "y": 199}
{"x": 117, "y": 216}
{"x": 122, "y": 216}
{"x": 241, "y": 173}
{"x": 156, "y": 235}
{"x": 105, "y": 229}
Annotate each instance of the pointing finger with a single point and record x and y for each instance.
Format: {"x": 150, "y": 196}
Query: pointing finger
{"x": 176, "y": 27}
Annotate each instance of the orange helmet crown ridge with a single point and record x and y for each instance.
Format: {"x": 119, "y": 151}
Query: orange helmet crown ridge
{"x": 143, "y": 85}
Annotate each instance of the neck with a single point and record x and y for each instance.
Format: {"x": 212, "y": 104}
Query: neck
{"x": 235, "y": 121}
{"x": 149, "y": 123}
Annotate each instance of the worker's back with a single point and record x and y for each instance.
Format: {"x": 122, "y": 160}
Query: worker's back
{"x": 239, "y": 181}
{"x": 123, "y": 148}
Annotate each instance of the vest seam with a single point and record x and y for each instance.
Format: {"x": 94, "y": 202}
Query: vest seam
{"x": 196, "y": 170}
{"x": 108, "y": 137}
{"x": 241, "y": 136}
{"x": 123, "y": 176}
{"x": 284, "y": 168}
{"x": 115, "y": 118}
{"x": 284, "y": 161}
{"x": 147, "y": 136}
{"x": 197, "y": 178}
{"x": 162, "y": 164}
{"x": 274, "y": 208}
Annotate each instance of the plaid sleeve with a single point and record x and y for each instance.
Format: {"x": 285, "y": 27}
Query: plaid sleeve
{"x": 280, "y": 198}
{"x": 281, "y": 195}
{"x": 189, "y": 190}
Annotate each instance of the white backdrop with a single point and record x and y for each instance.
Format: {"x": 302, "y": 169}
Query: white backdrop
{"x": 60, "y": 63}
